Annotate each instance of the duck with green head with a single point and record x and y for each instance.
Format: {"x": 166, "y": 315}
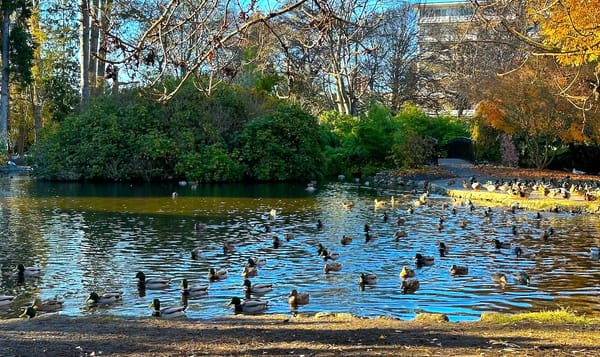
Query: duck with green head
{"x": 30, "y": 312}
{"x": 153, "y": 283}
{"x": 167, "y": 312}
{"x": 192, "y": 291}
{"x": 367, "y": 279}
{"x": 29, "y": 272}
{"x": 104, "y": 299}
{"x": 217, "y": 275}
{"x": 256, "y": 289}
{"x": 253, "y": 306}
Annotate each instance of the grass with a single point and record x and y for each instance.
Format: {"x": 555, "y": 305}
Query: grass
{"x": 560, "y": 316}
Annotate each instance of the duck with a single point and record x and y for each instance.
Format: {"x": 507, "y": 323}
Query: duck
{"x": 253, "y": 306}
{"x": 400, "y": 234}
{"x": 29, "y": 272}
{"x": 500, "y": 278}
{"x": 367, "y": 279}
{"x": 6, "y": 299}
{"x": 319, "y": 224}
{"x": 256, "y": 289}
{"x": 327, "y": 255}
{"x": 378, "y": 204}
{"x": 518, "y": 251}
{"x": 30, "y": 312}
{"x": 153, "y": 283}
{"x": 424, "y": 260}
{"x": 288, "y": 237}
{"x": 321, "y": 248}
{"x": 199, "y": 227}
{"x": 104, "y": 299}
{"x": 256, "y": 262}
{"x": 196, "y": 253}
{"x": 406, "y": 273}
{"x": 47, "y": 305}
{"x": 346, "y": 240}
{"x": 249, "y": 271}
{"x": 296, "y": 298}
{"x": 409, "y": 286}
{"x": 216, "y": 275}
{"x": 369, "y": 237}
{"x": 443, "y": 249}
{"x": 523, "y": 278}
{"x": 332, "y": 267}
{"x": 348, "y": 205}
{"x": 459, "y": 270}
{"x": 193, "y": 291}
{"x": 167, "y": 312}
{"x": 501, "y": 245}
{"x": 276, "y": 242}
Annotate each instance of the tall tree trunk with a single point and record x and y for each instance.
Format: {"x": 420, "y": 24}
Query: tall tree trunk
{"x": 94, "y": 34}
{"x": 37, "y": 92}
{"x": 106, "y": 7}
{"x": 84, "y": 50}
{"x": 4, "y": 87}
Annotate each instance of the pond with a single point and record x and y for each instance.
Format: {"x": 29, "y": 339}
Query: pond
{"x": 91, "y": 237}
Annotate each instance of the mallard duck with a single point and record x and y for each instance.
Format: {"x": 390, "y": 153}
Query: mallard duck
{"x": 30, "y": 312}
{"x": 193, "y": 291}
{"x": 216, "y": 275}
{"x": 288, "y": 237}
{"x": 153, "y": 283}
{"x": 47, "y": 305}
{"x": 199, "y": 227}
{"x": 406, "y": 273}
{"x": 348, "y": 205}
{"x": 523, "y": 278}
{"x": 459, "y": 270}
{"x": 386, "y": 217}
{"x": 6, "y": 299}
{"x": 253, "y": 306}
{"x": 295, "y": 298}
{"x": 424, "y": 260}
{"x": 400, "y": 221}
{"x": 29, "y": 272}
{"x": 332, "y": 267}
{"x": 518, "y": 251}
{"x": 319, "y": 224}
{"x": 249, "y": 272}
{"x": 167, "y": 312}
{"x": 367, "y": 279}
{"x": 400, "y": 234}
{"x": 105, "y": 299}
{"x": 346, "y": 240}
{"x": 196, "y": 253}
{"x": 329, "y": 256}
{"x": 501, "y": 245}
{"x": 256, "y": 289}
{"x": 369, "y": 237}
{"x": 409, "y": 286}
{"x": 321, "y": 249}
{"x": 259, "y": 262}
{"x": 500, "y": 278}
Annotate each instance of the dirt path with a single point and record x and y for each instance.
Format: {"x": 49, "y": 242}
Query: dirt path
{"x": 279, "y": 336}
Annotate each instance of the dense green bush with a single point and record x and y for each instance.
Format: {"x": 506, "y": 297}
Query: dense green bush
{"x": 284, "y": 145}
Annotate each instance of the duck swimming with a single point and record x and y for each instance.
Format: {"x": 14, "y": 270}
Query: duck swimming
{"x": 105, "y": 299}
{"x": 153, "y": 283}
{"x": 459, "y": 270}
{"x": 47, "y": 305}
{"x": 29, "y": 272}
{"x": 332, "y": 267}
{"x": 256, "y": 289}
{"x": 409, "y": 286}
{"x": 253, "y": 306}
{"x": 193, "y": 291}
{"x": 167, "y": 312}
{"x": 501, "y": 245}
{"x": 406, "y": 273}
{"x": 249, "y": 272}
{"x": 367, "y": 279}
{"x": 424, "y": 260}
{"x": 346, "y": 240}
{"x": 500, "y": 278}
{"x": 217, "y": 275}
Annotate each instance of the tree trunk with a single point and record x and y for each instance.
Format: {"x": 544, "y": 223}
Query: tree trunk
{"x": 84, "y": 50}
{"x": 94, "y": 47}
{"x": 4, "y": 87}
{"x": 106, "y": 6}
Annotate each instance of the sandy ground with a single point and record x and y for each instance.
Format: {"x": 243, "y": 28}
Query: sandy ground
{"x": 269, "y": 335}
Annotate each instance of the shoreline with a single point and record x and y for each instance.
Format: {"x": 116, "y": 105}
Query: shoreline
{"x": 317, "y": 335}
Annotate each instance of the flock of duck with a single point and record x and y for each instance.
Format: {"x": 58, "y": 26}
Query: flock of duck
{"x": 393, "y": 212}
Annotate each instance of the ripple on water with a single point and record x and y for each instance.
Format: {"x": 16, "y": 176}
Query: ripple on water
{"x": 83, "y": 246}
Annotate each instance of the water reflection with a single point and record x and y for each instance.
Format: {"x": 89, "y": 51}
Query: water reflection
{"x": 97, "y": 237}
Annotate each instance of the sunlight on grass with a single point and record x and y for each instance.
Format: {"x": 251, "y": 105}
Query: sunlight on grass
{"x": 560, "y": 316}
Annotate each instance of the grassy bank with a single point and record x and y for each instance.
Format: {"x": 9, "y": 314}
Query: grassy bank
{"x": 559, "y": 333}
